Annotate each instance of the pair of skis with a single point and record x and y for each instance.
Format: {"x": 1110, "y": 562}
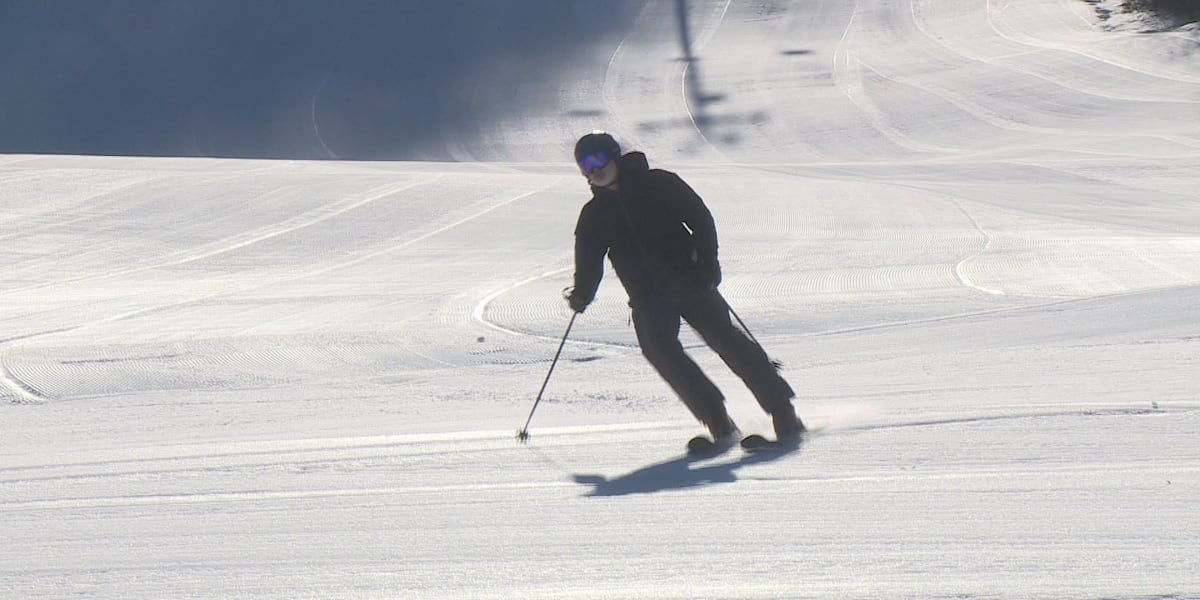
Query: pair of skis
{"x": 701, "y": 446}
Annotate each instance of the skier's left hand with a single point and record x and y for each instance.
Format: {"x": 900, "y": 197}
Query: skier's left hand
{"x": 710, "y": 271}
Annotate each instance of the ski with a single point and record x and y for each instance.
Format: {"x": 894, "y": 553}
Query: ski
{"x": 757, "y": 443}
{"x": 701, "y": 446}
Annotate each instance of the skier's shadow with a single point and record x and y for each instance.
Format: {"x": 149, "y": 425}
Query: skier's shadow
{"x": 675, "y": 474}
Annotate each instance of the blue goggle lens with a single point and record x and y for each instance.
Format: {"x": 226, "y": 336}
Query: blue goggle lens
{"x": 594, "y": 162}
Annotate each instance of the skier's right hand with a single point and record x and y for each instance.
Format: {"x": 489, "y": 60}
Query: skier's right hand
{"x": 576, "y": 301}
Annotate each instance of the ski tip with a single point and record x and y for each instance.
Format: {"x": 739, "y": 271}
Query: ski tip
{"x": 703, "y": 447}
{"x": 700, "y": 445}
{"x": 758, "y": 443}
{"x": 755, "y": 440}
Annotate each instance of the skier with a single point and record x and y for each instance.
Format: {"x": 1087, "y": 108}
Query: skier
{"x": 662, "y": 242}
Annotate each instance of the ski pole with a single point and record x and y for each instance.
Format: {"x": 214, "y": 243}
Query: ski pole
{"x": 523, "y": 434}
{"x": 749, "y": 334}
{"x": 743, "y": 325}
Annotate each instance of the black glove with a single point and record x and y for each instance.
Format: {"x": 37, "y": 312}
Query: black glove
{"x": 578, "y": 302}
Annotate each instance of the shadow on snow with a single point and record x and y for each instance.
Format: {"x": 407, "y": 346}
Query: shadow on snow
{"x": 679, "y": 473}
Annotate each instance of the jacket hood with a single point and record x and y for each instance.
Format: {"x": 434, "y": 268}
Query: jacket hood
{"x": 630, "y": 163}
{"x": 634, "y": 161}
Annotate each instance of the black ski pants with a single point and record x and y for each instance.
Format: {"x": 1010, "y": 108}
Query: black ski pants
{"x": 657, "y": 322}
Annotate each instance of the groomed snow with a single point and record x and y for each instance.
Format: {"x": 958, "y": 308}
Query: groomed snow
{"x": 970, "y": 229}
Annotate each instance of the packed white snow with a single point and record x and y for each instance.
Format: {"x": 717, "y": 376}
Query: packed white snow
{"x": 969, "y": 229}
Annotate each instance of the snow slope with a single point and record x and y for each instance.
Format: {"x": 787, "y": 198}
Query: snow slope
{"x": 968, "y": 228}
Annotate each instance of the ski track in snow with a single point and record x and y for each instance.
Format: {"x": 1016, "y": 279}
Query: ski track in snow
{"x": 967, "y": 229}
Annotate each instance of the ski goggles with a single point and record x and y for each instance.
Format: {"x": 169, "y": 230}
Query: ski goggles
{"x": 594, "y": 162}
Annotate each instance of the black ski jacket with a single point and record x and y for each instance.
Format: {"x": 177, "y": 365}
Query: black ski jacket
{"x": 657, "y": 232}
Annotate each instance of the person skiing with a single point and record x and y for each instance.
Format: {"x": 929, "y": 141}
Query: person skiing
{"x": 662, "y": 242}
